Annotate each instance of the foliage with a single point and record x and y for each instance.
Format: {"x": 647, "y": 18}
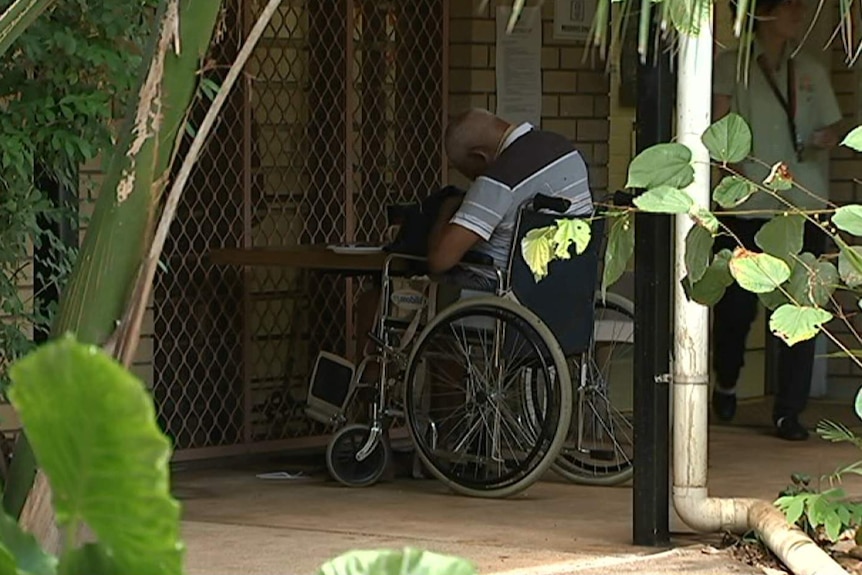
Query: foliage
{"x": 821, "y": 514}
{"x": 827, "y": 512}
{"x": 85, "y": 412}
{"x": 59, "y": 82}
{"x": 405, "y": 562}
{"x": 676, "y": 18}
{"x": 17, "y": 18}
{"x": 541, "y": 245}
{"x": 798, "y": 286}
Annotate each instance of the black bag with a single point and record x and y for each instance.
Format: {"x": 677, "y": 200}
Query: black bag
{"x": 416, "y": 220}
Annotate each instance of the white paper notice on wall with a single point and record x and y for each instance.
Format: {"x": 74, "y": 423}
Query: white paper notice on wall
{"x": 573, "y": 19}
{"x": 519, "y": 66}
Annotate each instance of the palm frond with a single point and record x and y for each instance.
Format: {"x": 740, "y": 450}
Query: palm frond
{"x": 838, "y": 433}
{"x": 675, "y": 18}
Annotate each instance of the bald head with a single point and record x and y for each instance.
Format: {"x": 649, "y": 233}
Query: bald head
{"x": 473, "y": 139}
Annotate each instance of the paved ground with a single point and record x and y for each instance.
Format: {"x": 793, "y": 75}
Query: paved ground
{"x": 237, "y": 523}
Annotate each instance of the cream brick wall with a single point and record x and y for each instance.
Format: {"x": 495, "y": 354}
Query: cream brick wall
{"x": 574, "y": 91}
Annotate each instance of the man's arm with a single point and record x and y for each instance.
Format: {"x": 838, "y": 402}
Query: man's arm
{"x": 448, "y": 242}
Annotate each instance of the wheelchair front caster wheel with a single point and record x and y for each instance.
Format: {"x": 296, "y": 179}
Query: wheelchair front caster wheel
{"x": 341, "y": 457}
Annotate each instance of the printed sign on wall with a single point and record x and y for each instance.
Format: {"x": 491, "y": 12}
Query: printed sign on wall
{"x": 573, "y": 19}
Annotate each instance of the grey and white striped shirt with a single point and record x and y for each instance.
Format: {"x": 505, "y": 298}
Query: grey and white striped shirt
{"x": 531, "y": 162}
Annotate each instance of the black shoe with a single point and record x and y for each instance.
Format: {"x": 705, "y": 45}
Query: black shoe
{"x": 724, "y": 405}
{"x": 790, "y": 429}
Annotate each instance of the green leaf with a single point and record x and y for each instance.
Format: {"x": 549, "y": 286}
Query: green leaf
{"x": 795, "y": 509}
{"x": 728, "y": 140}
{"x": 570, "y": 231}
{"x": 705, "y": 218}
{"x": 782, "y": 236}
{"x": 833, "y": 526}
{"x": 406, "y": 562}
{"x": 794, "y": 323}
{"x": 758, "y": 273}
{"x": 857, "y": 404}
{"x": 664, "y": 200}
{"x": 849, "y": 219}
{"x": 7, "y": 562}
{"x": 28, "y": 555}
{"x": 537, "y": 250}
{"x": 843, "y": 514}
{"x": 91, "y": 559}
{"x": 850, "y": 265}
{"x": 621, "y": 245}
{"x": 688, "y": 17}
{"x": 853, "y": 140}
{"x": 812, "y": 282}
{"x": 818, "y": 509}
{"x": 661, "y": 165}
{"x": 822, "y": 283}
{"x": 711, "y": 287}
{"x": 779, "y": 178}
{"x": 93, "y": 429}
{"x": 698, "y": 252}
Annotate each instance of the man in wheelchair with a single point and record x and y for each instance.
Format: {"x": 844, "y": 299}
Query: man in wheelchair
{"x": 487, "y": 390}
{"x": 508, "y": 164}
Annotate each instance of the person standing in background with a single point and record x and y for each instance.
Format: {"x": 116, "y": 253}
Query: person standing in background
{"x": 794, "y": 117}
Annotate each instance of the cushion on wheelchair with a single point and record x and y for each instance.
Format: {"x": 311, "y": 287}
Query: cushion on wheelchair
{"x": 564, "y": 298}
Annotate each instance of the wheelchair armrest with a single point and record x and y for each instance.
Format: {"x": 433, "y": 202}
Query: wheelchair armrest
{"x": 551, "y": 203}
{"x": 477, "y": 258}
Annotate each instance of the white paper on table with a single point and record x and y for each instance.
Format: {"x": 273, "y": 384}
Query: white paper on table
{"x": 573, "y": 19}
{"x": 519, "y": 66}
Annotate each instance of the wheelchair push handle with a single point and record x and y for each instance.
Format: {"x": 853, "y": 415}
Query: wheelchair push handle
{"x": 551, "y": 203}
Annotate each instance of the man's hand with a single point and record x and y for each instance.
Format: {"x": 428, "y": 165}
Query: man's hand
{"x": 448, "y": 242}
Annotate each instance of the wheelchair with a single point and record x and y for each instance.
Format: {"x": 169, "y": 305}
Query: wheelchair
{"x": 484, "y": 386}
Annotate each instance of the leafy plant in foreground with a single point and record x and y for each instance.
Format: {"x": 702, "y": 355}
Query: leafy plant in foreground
{"x": 799, "y": 287}
{"x": 404, "y": 562}
{"x": 93, "y": 430}
{"x": 821, "y": 514}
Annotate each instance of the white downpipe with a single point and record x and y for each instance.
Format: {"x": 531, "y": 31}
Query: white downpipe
{"x": 691, "y": 355}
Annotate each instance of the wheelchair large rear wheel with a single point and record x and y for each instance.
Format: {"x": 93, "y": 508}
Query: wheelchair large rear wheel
{"x": 469, "y": 390}
{"x": 599, "y": 448}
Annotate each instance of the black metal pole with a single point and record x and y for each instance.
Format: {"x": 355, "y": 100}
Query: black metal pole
{"x": 64, "y": 228}
{"x": 653, "y": 273}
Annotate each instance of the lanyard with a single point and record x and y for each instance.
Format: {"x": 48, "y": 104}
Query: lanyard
{"x": 789, "y": 103}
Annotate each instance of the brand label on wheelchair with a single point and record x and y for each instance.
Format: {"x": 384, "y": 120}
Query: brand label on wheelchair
{"x": 408, "y": 299}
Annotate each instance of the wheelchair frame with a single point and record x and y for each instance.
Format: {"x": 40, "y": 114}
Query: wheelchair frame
{"x": 370, "y": 443}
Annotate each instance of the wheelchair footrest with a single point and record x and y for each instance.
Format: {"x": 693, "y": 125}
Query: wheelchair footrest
{"x": 331, "y": 387}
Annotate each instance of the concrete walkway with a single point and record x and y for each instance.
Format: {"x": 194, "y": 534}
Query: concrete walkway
{"x": 237, "y": 523}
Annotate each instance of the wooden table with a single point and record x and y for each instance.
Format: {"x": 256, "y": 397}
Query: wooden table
{"x": 312, "y": 257}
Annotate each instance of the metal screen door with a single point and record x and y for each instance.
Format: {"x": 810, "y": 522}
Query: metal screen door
{"x": 340, "y": 113}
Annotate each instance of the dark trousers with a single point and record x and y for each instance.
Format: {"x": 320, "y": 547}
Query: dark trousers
{"x": 734, "y": 314}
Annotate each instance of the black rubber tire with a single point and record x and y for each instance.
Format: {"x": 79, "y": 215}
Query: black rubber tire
{"x": 341, "y": 457}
